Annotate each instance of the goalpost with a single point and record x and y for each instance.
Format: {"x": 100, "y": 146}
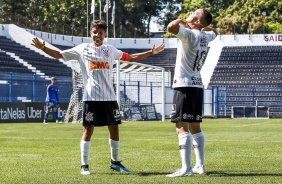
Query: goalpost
{"x": 133, "y": 82}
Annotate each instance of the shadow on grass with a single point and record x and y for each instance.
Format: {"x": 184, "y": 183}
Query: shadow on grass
{"x": 136, "y": 173}
{"x": 151, "y": 173}
{"x": 225, "y": 174}
{"x": 212, "y": 174}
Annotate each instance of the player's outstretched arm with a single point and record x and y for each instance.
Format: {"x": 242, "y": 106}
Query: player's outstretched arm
{"x": 41, "y": 45}
{"x": 143, "y": 55}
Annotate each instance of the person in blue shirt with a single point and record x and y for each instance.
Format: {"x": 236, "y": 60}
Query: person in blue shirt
{"x": 52, "y": 100}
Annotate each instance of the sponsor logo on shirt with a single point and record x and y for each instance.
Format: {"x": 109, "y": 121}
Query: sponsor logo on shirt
{"x": 203, "y": 41}
{"x": 116, "y": 114}
{"x": 198, "y": 117}
{"x": 188, "y": 116}
{"x": 173, "y": 108}
{"x": 196, "y": 81}
{"x": 99, "y": 65}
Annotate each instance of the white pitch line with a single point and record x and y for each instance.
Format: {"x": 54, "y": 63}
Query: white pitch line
{"x": 78, "y": 139}
{"x": 245, "y": 125}
{"x": 243, "y": 141}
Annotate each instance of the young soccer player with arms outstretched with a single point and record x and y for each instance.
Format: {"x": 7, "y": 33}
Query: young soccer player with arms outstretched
{"x": 100, "y": 107}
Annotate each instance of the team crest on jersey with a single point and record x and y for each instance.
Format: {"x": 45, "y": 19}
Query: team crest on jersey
{"x": 106, "y": 53}
{"x": 89, "y": 116}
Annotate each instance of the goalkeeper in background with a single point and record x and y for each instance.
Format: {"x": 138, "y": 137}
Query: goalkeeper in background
{"x": 100, "y": 107}
{"x": 52, "y": 100}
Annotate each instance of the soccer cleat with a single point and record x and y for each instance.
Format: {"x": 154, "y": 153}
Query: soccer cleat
{"x": 57, "y": 121}
{"x": 199, "y": 170}
{"x": 45, "y": 122}
{"x": 117, "y": 166}
{"x": 85, "y": 170}
{"x": 180, "y": 173}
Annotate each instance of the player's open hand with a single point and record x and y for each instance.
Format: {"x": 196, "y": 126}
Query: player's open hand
{"x": 37, "y": 43}
{"x": 158, "y": 49}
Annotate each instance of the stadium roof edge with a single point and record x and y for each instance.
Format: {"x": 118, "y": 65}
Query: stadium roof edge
{"x": 12, "y": 31}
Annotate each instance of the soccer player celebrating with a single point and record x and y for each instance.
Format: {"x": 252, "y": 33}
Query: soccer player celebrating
{"x": 100, "y": 107}
{"x": 194, "y": 35}
{"x": 52, "y": 100}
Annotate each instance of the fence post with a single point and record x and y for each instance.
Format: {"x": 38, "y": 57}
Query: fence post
{"x": 217, "y": 103}
{"x": 253, "y": 96}
{"x": 225, "y": 101}
{"x": 151, "y": 86}
{"x": 203, "y": 103}
{"x": 34, "y": 88}
{"x": 213, "y": 100}
{"x": 124, "y": 91}
{"x": 10, "y": 87}
{"x": 138, "y": 92}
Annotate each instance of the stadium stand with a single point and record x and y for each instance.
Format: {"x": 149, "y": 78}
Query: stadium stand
{"x": 9, "y": 64}
{"x": 165, "y": 59}
{"x": 242, "y": 70}
{"x": 47, "y": 66}
{"x": 250, "y": 74}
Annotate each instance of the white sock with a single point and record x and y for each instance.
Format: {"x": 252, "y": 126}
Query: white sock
{"x": 114, "y": 145}
{"x": 84, "y": 151}
{"x": 199, "y": 148}
{"x": 185, "y": 147}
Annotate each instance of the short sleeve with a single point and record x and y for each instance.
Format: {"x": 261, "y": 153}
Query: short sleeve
{"x": 116, "y": 53}
{"x": 210, "y": 35}
{"x": 73, "y": 53}
{"x": 185, "y": 34}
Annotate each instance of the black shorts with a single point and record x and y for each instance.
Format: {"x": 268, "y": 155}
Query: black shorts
{"x": 187, "y": 104}
{"x": 101, "y": 113}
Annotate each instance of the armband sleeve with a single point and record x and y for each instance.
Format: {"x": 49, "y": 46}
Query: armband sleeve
{"x": 124, "y": 56}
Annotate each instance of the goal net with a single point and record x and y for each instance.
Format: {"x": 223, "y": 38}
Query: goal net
{"x": 74, "y": 111}
{"x": 140, "y": 91}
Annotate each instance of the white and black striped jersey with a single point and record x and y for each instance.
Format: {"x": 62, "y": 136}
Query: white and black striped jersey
{"x": 96, "y": 65}
{"x": 191, "y": 53}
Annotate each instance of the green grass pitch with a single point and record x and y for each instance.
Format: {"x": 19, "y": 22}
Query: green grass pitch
{"x": 237, "y": 151}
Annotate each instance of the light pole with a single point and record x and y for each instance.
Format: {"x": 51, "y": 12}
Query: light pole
{"x": 263, "y": 17}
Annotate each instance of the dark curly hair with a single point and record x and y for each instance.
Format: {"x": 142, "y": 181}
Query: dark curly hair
{"x": 99, "y": 24}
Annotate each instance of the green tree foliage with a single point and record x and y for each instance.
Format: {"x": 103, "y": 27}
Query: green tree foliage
{"x": 70, "y": 16}
{"x": 133, "y": 16}
{"x": 239, "y": 16}
{"x": 250, "y": 16}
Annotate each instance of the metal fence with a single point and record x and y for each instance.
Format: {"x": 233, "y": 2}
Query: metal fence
{"x": 218, "y": 101}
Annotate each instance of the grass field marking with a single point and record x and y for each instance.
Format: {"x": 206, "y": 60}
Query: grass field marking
{"x": 245, "y": 125}
{"x": 215, "y": 140}
{"x": 78, "y": 139}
